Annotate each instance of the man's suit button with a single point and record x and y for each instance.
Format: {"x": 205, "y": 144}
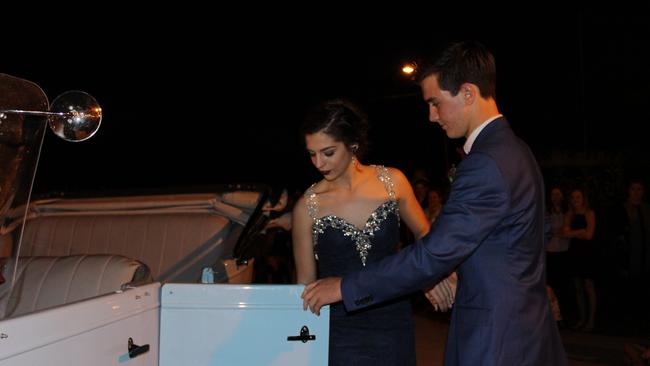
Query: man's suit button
{"x": 363, "y": 300}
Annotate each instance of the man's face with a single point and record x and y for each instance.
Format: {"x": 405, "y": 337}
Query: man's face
{"x": 446, "y": 110}
{"x": 635, "y": 192}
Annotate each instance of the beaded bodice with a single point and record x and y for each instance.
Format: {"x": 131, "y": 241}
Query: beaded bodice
{"x": 347, "y": 235}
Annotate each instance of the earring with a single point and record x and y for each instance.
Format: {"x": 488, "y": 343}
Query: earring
{"x": 355, "y": 162}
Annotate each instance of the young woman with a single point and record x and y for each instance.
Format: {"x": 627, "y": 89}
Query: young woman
{"x": 348, "y": 219}
{"x": 579, "y": 226}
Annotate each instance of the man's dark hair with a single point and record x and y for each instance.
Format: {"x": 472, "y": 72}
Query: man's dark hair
{"x": 464, "y": 62}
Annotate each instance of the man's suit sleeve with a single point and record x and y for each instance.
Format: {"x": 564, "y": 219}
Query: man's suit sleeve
{"x": 478, "y": 202}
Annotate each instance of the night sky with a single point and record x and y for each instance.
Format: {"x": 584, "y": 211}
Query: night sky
{"x": 208, "y": 104}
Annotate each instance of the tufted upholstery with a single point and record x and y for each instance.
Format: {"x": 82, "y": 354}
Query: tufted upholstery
{"x": 167, "y": 243}
{"x": 43, "y": 282}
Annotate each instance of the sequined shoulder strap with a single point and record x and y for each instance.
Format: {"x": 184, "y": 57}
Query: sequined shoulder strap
{"x": 384, "y": 177}
{"x": 312, "y": 201}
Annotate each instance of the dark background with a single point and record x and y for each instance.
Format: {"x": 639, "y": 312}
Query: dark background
{"x": 196, "y": 102}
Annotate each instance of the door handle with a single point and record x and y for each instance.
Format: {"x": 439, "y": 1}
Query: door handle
{"x": 304, "y": 336}
{"x": 135, "y": 350}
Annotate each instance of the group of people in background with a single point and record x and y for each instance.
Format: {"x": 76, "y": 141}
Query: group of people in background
{"x": 430, "y": 197}
{"x": 609, "y": 250}
{"x": 572, "y": 256}
{"x": 603, "y": 256}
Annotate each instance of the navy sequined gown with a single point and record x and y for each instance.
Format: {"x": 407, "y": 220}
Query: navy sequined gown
{"x": 376, "y": 336}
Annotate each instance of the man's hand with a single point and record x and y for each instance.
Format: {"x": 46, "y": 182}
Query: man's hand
{"x": 443, "y": 294}
{"x": 321, "y": 292}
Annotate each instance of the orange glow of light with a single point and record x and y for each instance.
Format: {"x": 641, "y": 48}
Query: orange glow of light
{"x": 408, "y": 69}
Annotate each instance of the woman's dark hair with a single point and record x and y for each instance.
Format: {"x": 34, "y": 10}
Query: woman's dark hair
{"x": 342, "y": 120}
{"x": 549, "y": 201}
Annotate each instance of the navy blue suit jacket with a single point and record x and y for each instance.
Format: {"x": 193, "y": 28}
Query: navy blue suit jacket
{"x": 491, "y": 230}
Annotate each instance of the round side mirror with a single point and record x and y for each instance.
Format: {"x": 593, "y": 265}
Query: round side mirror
{"x": 75, "y": 116}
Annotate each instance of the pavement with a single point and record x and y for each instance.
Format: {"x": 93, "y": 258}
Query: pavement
{"x": 583, "y": 349}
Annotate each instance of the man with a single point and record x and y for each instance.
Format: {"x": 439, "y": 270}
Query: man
{"x": 635, "y": 232}
{"x": 491, "y": 230}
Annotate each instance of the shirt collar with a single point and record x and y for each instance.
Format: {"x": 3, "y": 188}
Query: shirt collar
{"x": 472, "y": 137}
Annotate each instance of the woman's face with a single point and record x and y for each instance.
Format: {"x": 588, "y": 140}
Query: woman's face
{"x": 577, "y": 199}
{"x": 329, "y": 156}
{"x": 420, "y": 190}
{"x": 434, "y": 199}
{"x": 556, "y": 196}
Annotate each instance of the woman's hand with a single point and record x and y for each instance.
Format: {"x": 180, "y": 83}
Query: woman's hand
{"x": 443, "y": 294}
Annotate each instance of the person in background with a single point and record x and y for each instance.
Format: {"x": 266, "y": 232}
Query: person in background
{"x": 434, "y": 199}
{"x": 421, "y": 189}
{"x": 579, "y": 227}
{"x": 557, "y": 258}
{"x": 635, "y": 248}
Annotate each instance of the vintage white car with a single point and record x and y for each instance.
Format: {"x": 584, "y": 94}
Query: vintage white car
{"x": 139, "y": 280}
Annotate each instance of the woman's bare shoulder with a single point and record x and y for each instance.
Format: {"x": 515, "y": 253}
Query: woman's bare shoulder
{"x": 397, "y": 176}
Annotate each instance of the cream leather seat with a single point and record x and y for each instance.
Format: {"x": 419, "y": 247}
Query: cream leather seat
{"x": 44, "y": 282}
